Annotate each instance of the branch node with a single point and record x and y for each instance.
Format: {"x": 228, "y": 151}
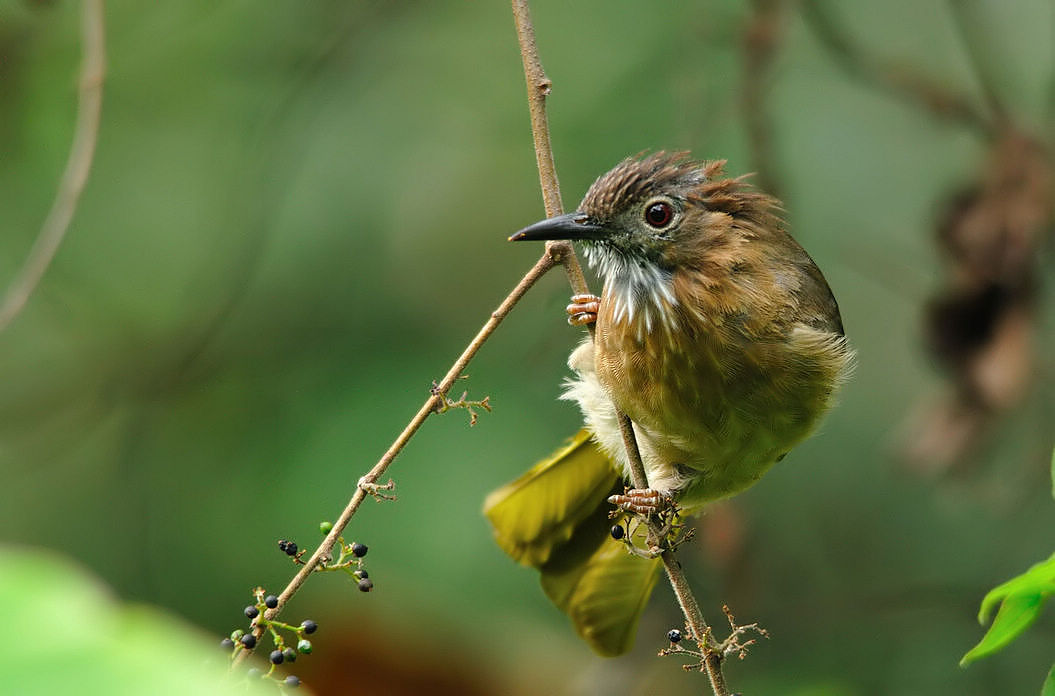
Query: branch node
{"x": 445, "y": 403}
{"x": 375, "y": 490}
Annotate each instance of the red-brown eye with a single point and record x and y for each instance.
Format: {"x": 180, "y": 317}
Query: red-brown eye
{"x": 659, "y": 214}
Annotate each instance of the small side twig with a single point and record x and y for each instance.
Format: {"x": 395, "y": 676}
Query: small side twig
{"x": 732, "y": 644}
{"x": 446, "y": 403}
{"x": 78, "y": 164}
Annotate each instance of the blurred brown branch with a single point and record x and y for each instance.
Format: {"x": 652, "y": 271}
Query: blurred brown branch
{"x": 78, "y": 164}
{"x": 972, "y": 37}
{"x": 902, "y": 80}
{"x": 979, "y": 325}
{"x": 762, "y": 37}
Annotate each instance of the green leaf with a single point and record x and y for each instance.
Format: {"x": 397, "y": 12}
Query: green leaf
{"x": 1021, "y": 600}
{"x": 1016, "y": 614}
{"x": 1049, "y": 684}
{"x": 70, "y": 636}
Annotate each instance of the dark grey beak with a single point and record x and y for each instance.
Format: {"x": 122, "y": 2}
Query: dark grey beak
{"x": 569, "y": 226}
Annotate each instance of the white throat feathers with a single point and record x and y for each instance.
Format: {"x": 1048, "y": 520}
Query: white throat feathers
{"x": 641, "y": 292}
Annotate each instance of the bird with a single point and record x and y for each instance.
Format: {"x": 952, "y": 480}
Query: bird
{"x": 715, "y": 333}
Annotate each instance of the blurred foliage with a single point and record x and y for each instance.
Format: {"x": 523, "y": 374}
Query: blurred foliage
{"x": 70, "y": 637}
{"x": 296, "y": 219}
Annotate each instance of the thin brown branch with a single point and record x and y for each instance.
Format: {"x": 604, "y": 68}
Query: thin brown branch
{"x": 431, "y": 405}
{"x": 78, "y": 164}
{"x": 903, "y": 81}
{"x": 539, "y": 85}
{"x": 538, "y": 88}
{"x": 701, "y": 632}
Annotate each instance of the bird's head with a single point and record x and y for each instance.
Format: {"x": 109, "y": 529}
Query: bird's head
{"x": 664, "y": 230}
{"x": 655, "y": 212}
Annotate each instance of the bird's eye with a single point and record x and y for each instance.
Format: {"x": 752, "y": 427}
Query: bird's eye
{"x": 659, "y": 214}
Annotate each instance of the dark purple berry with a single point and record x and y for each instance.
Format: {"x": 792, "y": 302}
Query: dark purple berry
{"x": 291, "y": 549}
{"x": 362, "y": 574}
{"x": 366, "y": 584}
{"x": 226, "y": 643}
{"x": 276, "y": 657}
{"x": 252, "y": 612}
{"x": 292, "y": 682}
{"x": 248, "y": 641}
{"x": 674, "y": 636}
{"x": 290, "y": 654}
{"x": 309, "y": 626}
{"x": 617, "y": 532}
{"x": 359, "y": 550}
{"x": 271, "y": 601}
{"x": 282, "y": 544}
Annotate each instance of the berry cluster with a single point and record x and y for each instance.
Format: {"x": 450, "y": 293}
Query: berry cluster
{"x": 289, "y": 548}
{"x": 349, "y": 559}
{"x": 247, "y": 640}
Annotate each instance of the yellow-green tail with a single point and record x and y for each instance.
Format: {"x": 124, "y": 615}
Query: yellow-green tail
{"x": 555, "y": 518}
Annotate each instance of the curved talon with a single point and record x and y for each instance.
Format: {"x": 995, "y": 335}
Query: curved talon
{"x": 583, "y": 309}
{"x": 642, "y": 501}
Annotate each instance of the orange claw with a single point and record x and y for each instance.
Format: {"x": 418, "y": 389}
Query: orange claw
{"x": 642, "y": 501}
{"x": 583, "y": 309}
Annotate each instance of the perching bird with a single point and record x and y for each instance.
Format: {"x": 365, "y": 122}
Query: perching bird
{"x": 715, "y": 333}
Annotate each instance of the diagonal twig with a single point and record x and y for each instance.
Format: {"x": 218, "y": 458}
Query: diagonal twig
{"x": 431, "y": 406}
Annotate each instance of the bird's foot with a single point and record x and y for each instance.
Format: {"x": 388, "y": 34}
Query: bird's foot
{"x": 643, "y": 501}
{"x": 583, "y": 309}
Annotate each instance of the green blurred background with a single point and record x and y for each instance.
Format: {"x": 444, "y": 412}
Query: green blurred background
{"x": 296, "y": 219}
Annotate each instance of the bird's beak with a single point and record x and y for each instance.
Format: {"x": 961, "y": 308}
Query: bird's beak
{"x": 569, "y": 226}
